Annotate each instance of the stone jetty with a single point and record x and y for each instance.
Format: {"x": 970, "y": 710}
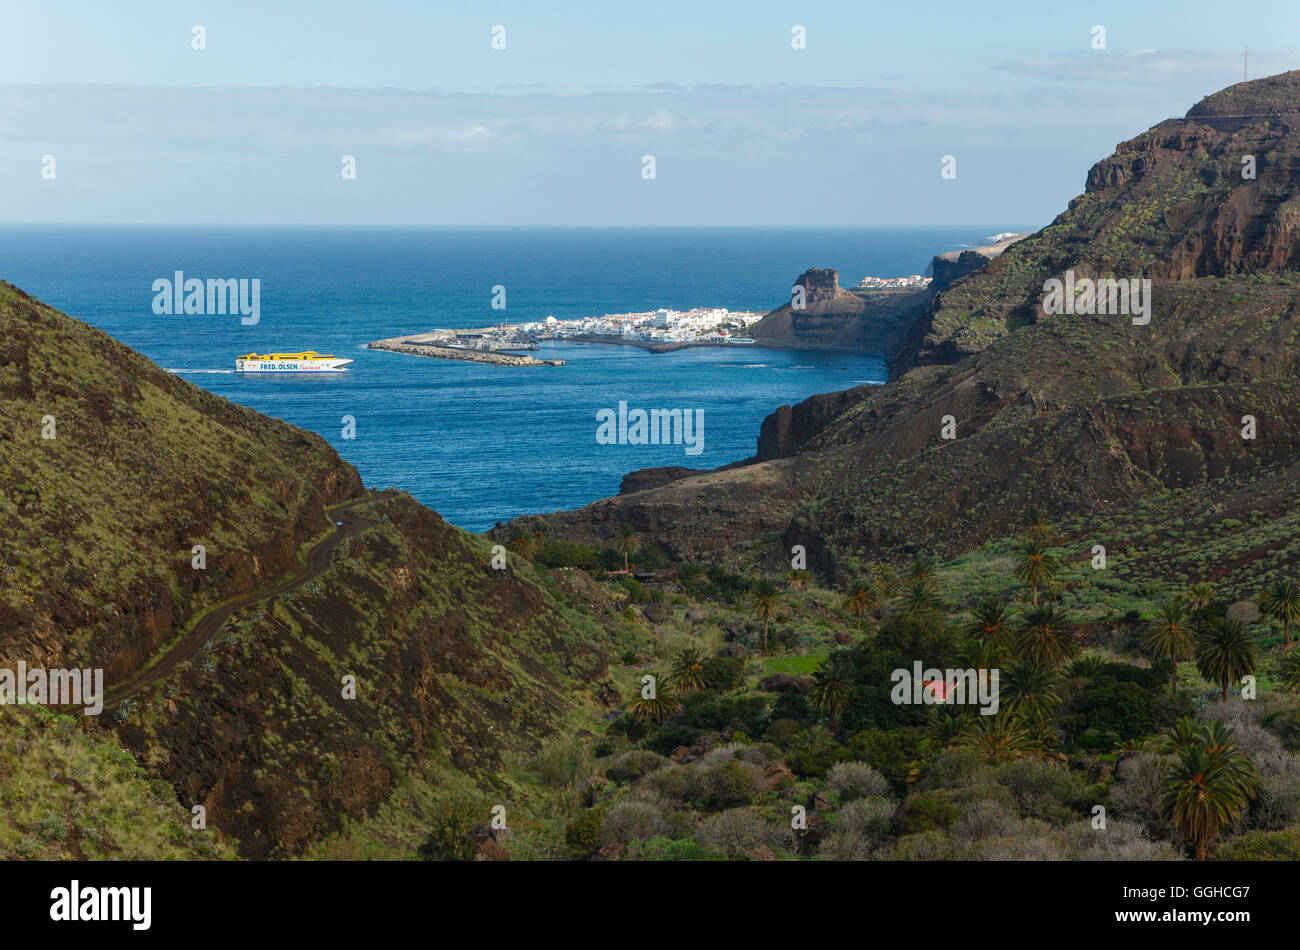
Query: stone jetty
{"x": 433, "y": 345}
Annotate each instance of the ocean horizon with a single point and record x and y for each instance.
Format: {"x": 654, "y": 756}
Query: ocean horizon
{"x": 476, "y": 443}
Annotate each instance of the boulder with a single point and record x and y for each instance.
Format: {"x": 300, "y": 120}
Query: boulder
{"x": 777, "y": 776}
{"x": 784, "y": 683}
{"x": 489, "y": 850}
{"x": 657, "y": 613}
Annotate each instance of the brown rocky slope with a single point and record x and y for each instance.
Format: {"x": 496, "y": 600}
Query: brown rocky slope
{"x": 1081, "y": 414}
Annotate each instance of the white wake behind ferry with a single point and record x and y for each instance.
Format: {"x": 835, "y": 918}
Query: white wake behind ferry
{"x": 308, "y": 362}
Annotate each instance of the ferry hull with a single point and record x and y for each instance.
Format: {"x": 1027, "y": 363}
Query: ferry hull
{"x": 290, "y": 366}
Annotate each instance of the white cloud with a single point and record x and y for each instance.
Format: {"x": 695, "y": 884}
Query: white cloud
{"x": 726, "y": 154}
{"x": 1211, "y": 68}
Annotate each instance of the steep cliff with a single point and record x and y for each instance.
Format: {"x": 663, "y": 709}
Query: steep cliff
{"x": 1084, "y": 414}
{"x": 834, "y": 318}
{"x": 1211, "y": 194}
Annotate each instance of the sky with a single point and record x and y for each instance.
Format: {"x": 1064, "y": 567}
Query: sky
{"x": 109, "y": 114}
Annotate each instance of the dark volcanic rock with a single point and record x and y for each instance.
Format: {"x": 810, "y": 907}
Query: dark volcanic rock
{"x": 784, "y": 431}
{"x": 834, "y": 318}
{"x": 1174, "y": 203}
{"x": 950, "y": 267}
{"x": 644, "y": 479}
{"x": 657, "y": 613}
{"x": 784, "y": 683}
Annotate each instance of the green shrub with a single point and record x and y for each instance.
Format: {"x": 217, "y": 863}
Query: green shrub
{"x": 1263, "y": 846}
{"x": 582, "y": 836}
{"x": 449, "y": 838}
{"x": 928, "y": 811}
{"x": 668, "y": 738}
{"x": 724, "y": 672}
{"x": 781, "y": 731}
{"x": 52, "y": 826}
{"x": 812, "y": 753}
{"x": 667, "y": 849}
{"x": 731, "y": 783}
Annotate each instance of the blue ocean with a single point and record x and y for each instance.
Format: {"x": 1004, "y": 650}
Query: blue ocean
{"x": 476, "y": 443}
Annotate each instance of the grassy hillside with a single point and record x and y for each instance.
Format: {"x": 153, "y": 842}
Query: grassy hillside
{"x": 100, "y": 520}
{"x": 66, "y": 795}
{"x": 455, "y": 665}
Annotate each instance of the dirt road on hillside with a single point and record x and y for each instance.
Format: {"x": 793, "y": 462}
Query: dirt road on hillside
{"x": 209, "y": 625}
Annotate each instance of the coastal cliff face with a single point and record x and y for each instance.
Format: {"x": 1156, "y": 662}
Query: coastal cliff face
{"x": 788, "y": 428}
{"x": 785, "y": 431}
{"x": 835, "y": 318}
{"x": 880, "y": 320}
{"x": 1087, "y": 416}
{"x": 1174, "y": 203}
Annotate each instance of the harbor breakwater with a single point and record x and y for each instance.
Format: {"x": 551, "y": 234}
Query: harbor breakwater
{"x": 421, "y": 344}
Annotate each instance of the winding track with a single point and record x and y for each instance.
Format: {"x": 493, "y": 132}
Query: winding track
{"x": 209, "y": 624}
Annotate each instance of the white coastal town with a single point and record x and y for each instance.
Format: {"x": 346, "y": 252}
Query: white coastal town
{"x": 700, "y": 326}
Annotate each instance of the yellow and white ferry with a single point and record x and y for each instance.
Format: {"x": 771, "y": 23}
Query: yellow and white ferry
{"x": 308, "y": 362}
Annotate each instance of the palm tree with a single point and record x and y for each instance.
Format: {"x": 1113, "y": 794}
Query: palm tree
{"x": 1209, "y": 785}
{"x": 657, "y": 710}
{"x": 921, "y": 600}
{"x": 921, "y": 570}
{"x": 1224, "y": 653}
{"x": 800, "y": 579}
{"x": 945, "y": 724}
{"x": 1199, "y": 596}
{"x": 1282, "y": 601}
{"x": 886, "y": 579}
{"x": 523, "y": 543}
{"x": 1086, "y": 667}
{"x": 1170, "y": 633}
{"x": 689, "y": 673}
{"x": 627, "y": 542}
{"x": 688, "y": 571}
{"x": 1288, "y": 673}
{"x": 1028, "y": 691}
{"x": 1036, "y": 525}
{"x": 1036, "y": 568}
{"x": 1182, "y": 735}
{"x": 765, "y": 596}
{"x": 996, "y": 738}
{"x": 1044, "y": 637}
{"x": 862, "y": 599}
{"x": 830, "y": 689}
{"x": 976, "y": 654}
{"x": 991, "y": 623}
